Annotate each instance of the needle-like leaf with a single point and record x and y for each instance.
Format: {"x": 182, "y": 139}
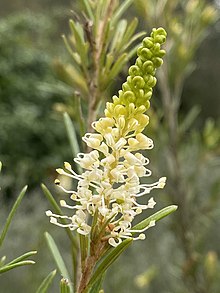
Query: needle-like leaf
{"x": 64, "y": 286}
{"x": 58, "y": 258}
{"x": 155, "y": 217}
{"x": 7, "y": 267}
{"x": 43, "y": 288}
{"x": 11, "y": 214}
{"x": 22, "y": 257}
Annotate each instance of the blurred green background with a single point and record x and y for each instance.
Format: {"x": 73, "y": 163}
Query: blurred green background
{"x": 182, "y": 253}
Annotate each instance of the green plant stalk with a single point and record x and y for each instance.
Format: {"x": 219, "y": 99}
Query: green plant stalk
{"x": 89, "y": 265}
{"x": 83, "y": 249}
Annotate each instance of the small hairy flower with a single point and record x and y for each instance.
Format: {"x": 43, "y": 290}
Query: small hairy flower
{"x": 110, "y": 183}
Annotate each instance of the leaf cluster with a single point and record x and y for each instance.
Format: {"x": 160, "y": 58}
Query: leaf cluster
{"x": 100, "y": 43}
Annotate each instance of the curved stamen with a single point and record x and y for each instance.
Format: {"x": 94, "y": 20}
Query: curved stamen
{"x": 65, "y": 205}
{"x": 62, "y": 172}
{"x": 151, "y": 224}
{"x": 63, "y": 188}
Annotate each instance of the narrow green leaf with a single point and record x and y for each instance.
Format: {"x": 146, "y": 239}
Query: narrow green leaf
{"x": 116, "y": 68}
{"x": 80, "y": 44}
{"x": 74, "y": 55}
{"x": 43, "y": 288}
{"x": 129, "y": 32}
{"x": 0, "y": 166}
{"x": 83, "y": 247}
{"x": 118, "y": 35}
{"x": 71, "y": 135}
{"x": 121, "y": 9}
{"x": 132, "y": 52}
{"x": 109, "y": 73}
{"x": 22, "y": 257}
{"x": 60, "y": 88}
{"x": 88, "y": 9}
{"x": 189, "y": 119}
{"x": 11, "y": 215}
{"x": 57, "y": 209}
{"x": 57, "y": 257}
{"x": 105, "y": 7}
{"x": 80, "y": 31}
{"x": 155, "y": 217}
{"x": 51, "y": 199}
{"x": 133, "y": 39}
{"x": 98, "y": 284}
{"x": 105, "y": 44}
{"x": 7, "y": 267}
{"x": 74, "y": 243}
{"x": 94, "y": 225}
{"x": 98, "y": 16}
{"x": 74, "y": 76}
{"x": 109, "y": 60}
{"x": 80, "y": 120}
{"x": 2, "y": 261}
{"x": 65, "y": 286}
{"x": 113, "y": 254}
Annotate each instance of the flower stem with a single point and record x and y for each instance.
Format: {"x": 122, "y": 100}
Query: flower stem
{"x": 96, "y": 252}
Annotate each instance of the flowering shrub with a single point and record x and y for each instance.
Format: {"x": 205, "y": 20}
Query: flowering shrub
{"x": 108, "y": 189}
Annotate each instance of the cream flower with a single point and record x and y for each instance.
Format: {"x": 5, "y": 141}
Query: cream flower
{"x": 110, "y": 185}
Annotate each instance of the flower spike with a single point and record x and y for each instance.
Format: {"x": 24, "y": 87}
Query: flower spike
{"x": 110, "y": 183}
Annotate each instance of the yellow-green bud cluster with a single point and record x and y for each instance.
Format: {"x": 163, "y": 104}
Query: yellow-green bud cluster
{"x": 141, "y": 80}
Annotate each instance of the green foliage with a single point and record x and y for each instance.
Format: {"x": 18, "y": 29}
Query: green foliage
{"x": 186, "y": 23}
{"x": 96, "y": 241}
{"x": 21, "y": 260}
{"x": 184, "y": 253}
{"x": 30, "y": 132}
{"x": 155, "y": 217}
{"x": 71, "y": 134}
{"x": 18, "y": 262}
{"x": 11, "y": 214}
{"x": 43, "y": 288}
{"x": 64, "y": 286}
{"x": 58, "y": 259}
{"x": 100, "y": 44}
{"x": 184, "y": 157}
